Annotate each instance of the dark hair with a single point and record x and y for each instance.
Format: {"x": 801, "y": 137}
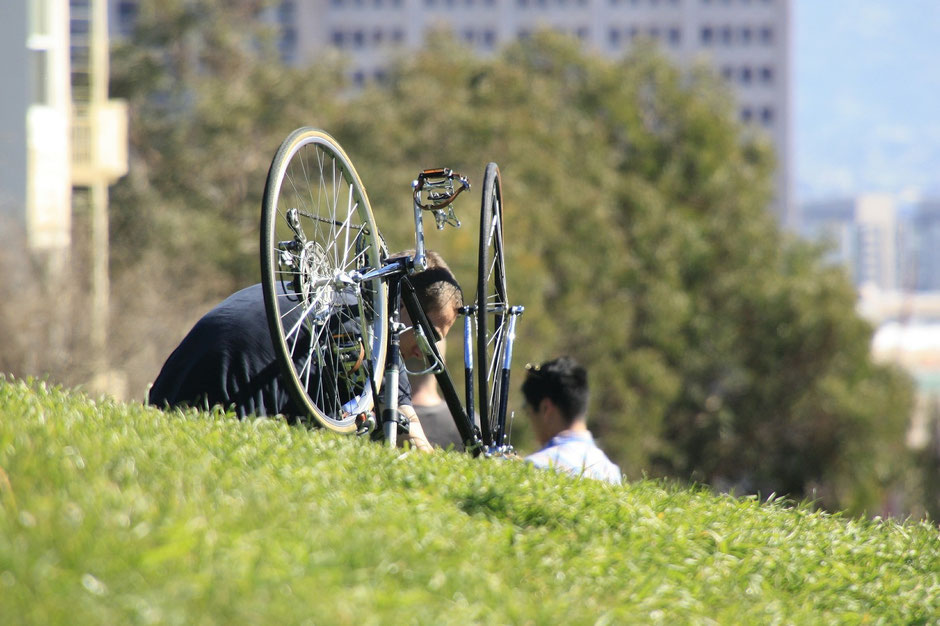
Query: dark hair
{"x": 563, "y": 381}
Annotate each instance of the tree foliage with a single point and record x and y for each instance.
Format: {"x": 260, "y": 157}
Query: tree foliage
{"x": 720, "y": 348}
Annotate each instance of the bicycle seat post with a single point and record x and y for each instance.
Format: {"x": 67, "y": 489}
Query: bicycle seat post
{"x": 420, "y": 262}
{"x": 441, "y": 191}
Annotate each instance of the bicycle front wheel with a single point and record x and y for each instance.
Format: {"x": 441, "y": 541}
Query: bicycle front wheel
{"x": 328, "y": 327}
{"x": 492, "y": 312}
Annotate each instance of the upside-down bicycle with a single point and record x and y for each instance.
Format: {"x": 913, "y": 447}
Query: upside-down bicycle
{"x": 333, "y": 296}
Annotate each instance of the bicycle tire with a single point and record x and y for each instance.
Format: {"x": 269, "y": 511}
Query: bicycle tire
{"x": 329, "y": 332}
{"x": 492, "y": 311}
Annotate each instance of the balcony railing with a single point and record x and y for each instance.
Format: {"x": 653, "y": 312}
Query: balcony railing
{"x": 99, "y": 142}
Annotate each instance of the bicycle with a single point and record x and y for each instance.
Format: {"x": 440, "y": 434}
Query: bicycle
{"x": 333, "y": 296}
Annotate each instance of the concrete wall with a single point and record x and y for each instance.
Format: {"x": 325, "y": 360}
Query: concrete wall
{"x": 14, "y": 101}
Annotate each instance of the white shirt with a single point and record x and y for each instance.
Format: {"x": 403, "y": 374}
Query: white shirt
{"x": 577, "y": 454}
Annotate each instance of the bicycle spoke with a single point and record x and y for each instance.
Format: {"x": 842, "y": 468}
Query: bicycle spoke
{"x": 492, "y": 308}
{"x": 314, "y": 203}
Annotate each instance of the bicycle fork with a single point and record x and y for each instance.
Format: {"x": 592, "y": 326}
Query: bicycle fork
{"x": 503, "y": 444}
{"x": 390, "y": 419}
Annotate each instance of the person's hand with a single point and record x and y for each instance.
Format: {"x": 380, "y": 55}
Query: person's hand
{"x": 415, "y": 430}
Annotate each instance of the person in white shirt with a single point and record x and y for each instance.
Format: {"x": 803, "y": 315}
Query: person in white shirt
{"x": 556, "y": 397}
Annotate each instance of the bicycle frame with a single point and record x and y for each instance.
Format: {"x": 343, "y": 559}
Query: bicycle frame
{"x": 340, "y": 267}
{"x": 438, "y": 184}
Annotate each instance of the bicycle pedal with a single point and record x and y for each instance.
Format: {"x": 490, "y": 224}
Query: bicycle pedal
{"x": 365, "y": 423}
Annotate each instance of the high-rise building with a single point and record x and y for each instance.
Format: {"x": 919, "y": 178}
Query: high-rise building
{"x": 57, "y": 127}
{"x": 863, "y": 235}
{"x": 746, "y": 41}
{"x": 924, "y": 242}
{"x": 35, "y": 183}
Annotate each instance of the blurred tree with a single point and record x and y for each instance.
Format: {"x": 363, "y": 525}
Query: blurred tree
{"x": 720, "y": 349}
{"x": 209, "y": 103}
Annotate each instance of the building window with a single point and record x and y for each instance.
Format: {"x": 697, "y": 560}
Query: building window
{"x": 746, "y": 115}
{"x": 288, "y": 44}
{"x": 613, "y": 37}
{"x": 726, "y": 35}
{"x": 767, "y": 116}
{"x": 675, "y": 36}
{"x": 707, "y": 35}
{"x": 766, "y": 35}
{"x": 127, "y": 16}
{"x": 39, "y": 76}
{"x": 767, "y": 75}
{"x": 79, "y": 27}
{"x": 286, "y": 12}
{"x": 339, "y": 38}
{"x": 39, "y": 17}
{"x": 745, "y": 75}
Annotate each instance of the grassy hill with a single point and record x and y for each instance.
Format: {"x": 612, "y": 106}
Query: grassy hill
{"x": 121, "y": 514}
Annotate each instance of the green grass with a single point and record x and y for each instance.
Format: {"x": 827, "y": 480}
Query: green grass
{"x": 121, "y": 514}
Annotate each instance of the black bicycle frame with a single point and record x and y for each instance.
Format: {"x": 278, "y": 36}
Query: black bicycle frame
{"x": 465, "y": 426}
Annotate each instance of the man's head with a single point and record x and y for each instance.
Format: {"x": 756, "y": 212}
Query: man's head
{"x": 556, "y": 395}
{"x": 439, "y": 294}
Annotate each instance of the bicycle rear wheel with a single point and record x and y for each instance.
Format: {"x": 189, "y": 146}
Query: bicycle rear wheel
{"x": 492, "y": 312}
{"x": 328, "y": 328}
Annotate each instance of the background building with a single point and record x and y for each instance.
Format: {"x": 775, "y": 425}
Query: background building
{"x": 62, "y": 143}
{"x": 924, "y": 237}
{"x": 747, "y": 41}
{"x": 863, "y": 235}
{"x": 35, "y": 178}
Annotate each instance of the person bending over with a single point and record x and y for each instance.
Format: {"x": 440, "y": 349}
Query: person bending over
{"x": 556, "y": 398}
{"x": 228, "y": 358}
{"x": 432, "y": 410}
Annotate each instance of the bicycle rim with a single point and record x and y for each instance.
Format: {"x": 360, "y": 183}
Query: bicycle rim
{"x": 492, "y": 310}
{"x": 329, "y": 332}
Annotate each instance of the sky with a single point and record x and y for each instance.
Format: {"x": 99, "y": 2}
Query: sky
{"x": 866, "y": 81}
